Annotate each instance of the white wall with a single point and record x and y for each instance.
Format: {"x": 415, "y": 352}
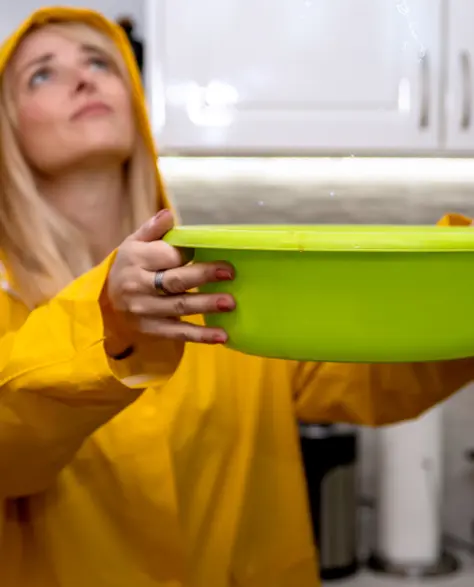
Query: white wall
{"x": 13, "y": 13}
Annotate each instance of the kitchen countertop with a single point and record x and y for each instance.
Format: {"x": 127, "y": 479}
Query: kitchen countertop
{"x": 318, "y": 191}
{"x": 462, "y": 578}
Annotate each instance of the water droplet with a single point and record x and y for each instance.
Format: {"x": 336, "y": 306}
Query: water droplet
{"x": 261, "y": 203}
{"x": 402, "y": 8}
{"x": 332, "y": 194}
{"x": 356, "y": 246}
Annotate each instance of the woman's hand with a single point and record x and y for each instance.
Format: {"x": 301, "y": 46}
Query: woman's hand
{"x": 132, "y": 304}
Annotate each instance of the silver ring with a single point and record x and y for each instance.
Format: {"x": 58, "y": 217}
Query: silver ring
{"x": 158, "y": 283}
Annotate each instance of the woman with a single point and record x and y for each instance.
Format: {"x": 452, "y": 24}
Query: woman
{"x": 124, "y": 460}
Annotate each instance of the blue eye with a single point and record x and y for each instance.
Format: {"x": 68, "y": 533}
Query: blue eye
{"x": 39, "y": 77}
{"x": 99, "y": 64}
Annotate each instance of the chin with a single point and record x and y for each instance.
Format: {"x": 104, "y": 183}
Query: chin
{"x": 101, "y": 147}
{"x": 94, "y": 157}
{"x": 118, "y": 148}
{"x": 101, "y": 137}
{"x": 104, "y": 155}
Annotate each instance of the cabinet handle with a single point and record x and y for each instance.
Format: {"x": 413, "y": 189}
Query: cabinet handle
{"x": 466, "y": 92}
{"x": 425, "y": 91}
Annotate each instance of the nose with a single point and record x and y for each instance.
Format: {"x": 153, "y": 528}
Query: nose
{"x": 84, "y": 83}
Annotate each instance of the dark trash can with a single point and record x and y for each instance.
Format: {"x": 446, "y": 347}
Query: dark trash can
{"x": 330, "y": 457}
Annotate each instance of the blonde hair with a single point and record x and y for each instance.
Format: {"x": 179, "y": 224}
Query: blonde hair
{"x": 44, "y": 250}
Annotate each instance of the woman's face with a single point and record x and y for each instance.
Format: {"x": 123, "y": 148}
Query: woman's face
{"x": 72, "y": 105}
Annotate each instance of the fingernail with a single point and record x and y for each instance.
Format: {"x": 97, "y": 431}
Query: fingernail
{"x": 219, "y": 338}
{"x": 224, "y": 275}
{"x": 224, "y": 305}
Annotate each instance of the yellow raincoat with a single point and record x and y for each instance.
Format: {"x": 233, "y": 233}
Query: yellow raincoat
{"x": 189, "y": 476}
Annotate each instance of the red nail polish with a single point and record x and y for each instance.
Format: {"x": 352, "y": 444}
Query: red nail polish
{"x": 224, "y": 275}
{"x": 224, "y": 305}
{"x": 219, "y": 338}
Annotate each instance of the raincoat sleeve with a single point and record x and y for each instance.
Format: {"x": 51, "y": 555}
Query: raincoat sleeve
{"x": 378, "y": 394}
{"x": 374, "y": 395}
{"x": 57, "y": 385}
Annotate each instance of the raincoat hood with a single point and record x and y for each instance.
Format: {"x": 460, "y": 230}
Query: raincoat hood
{"x": 113, "y": 31}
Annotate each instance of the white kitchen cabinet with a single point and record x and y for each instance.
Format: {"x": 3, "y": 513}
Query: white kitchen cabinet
{"x": 342, "y": 76}
{"x": 459, "y": 111}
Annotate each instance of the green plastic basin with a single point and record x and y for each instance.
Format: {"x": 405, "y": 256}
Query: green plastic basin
{"x": 343, "y": 293}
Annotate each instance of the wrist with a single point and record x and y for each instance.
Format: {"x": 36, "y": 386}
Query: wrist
{"x": 118, "y": 338}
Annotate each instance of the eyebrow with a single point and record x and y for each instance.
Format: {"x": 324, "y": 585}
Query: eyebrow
{"x": 46, "y": 58}
{"x": 91, "y": 49}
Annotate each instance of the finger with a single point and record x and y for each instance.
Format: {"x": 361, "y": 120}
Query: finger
{"x": 159, "y": 255}
{"x": 135, "y": 281}
{"x": 156, "y": 256}
{"x": 155, "y": 228}
{"x": 178, "y": 330}
{"x": 181, "y": 305}
{"x": 182, "y": 279}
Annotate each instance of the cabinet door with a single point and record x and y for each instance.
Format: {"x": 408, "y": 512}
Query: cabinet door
{"x": 460, "y": 81}
{"x": 295, "y": 75}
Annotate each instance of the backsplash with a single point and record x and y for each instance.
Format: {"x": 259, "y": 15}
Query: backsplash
{"x": 344, "y": 198}
{"x": 199, "y": 203}
{"x": 254, "y": 198}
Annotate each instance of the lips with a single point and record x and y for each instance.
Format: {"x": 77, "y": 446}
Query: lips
{"x": 92, "y": 109}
